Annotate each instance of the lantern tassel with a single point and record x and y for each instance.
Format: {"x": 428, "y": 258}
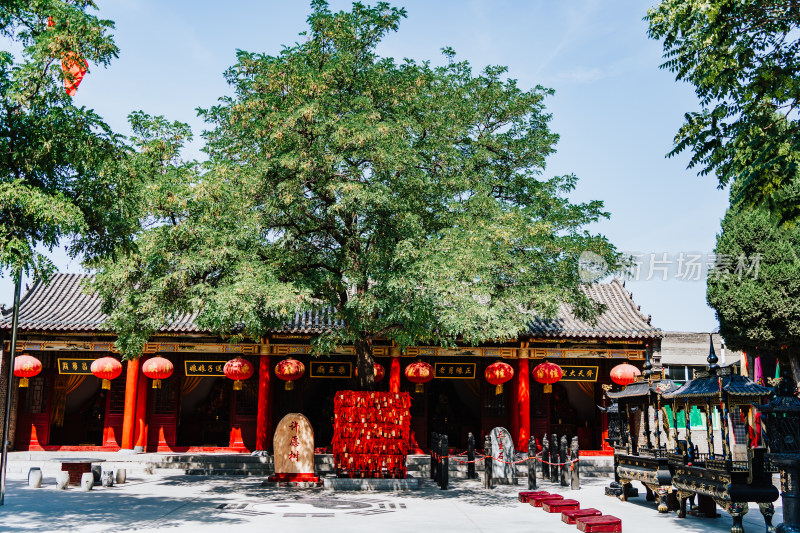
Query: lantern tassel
{"x": 23, "y": 383}
{"x": 106, "y": 384}
{"x": 498, "y": 389}
{"x": 548, "y": 388}
{"x": 289, "y": 385}
{"x": 419, "y": 388}
{"x": 237, "y": 385}
{"x": 156, "y": 383}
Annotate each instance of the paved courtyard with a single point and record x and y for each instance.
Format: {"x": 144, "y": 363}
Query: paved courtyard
{"x": 230, "y": 504}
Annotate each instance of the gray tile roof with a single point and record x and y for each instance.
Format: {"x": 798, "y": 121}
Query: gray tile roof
{"x": 622, "y": 318}
{"x": 62, "y": 305}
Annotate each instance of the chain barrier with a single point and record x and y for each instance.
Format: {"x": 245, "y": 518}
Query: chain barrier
{"x": 437, "y": 457}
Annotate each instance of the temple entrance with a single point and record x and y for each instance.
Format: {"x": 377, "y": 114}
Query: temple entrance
{"x": 321, "y": 396}
{"x": 454, "y": 409}
{"x": 205, "y": 412}
{"x": 78, "y": 411}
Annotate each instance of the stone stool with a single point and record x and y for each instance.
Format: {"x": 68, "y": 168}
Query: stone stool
{"x": 108, "y": 478}
{"x": 121, "y": 475}
{"x": 62, "y": 480}
{"x": 97, "y": 471}
{"x": 35, "y": 477}
{"x": 87, "y": 481}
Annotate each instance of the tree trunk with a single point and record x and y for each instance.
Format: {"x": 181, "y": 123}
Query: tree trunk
{"x": 365, "y": 365}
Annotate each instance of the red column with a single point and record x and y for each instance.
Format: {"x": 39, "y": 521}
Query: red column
{"x": 264, "y": 417}
{"x": 129, "y": 414}
{"x": 394, "y": 375}
{"x": 524, "y": 403}
{"x": 140, "y": 427}
{"x": 513, "y": 405}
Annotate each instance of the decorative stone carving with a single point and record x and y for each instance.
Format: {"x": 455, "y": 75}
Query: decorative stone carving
{"x": 504, "y": 453}
{"x": 294, "y": 449}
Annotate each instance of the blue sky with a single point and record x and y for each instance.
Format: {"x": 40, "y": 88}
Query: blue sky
{"x": 615, "y": 110}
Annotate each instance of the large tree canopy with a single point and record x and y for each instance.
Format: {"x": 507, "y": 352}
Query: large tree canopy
{"x": 407, "y": 198}
{"x": 743, "y": 59}
{"x": 57, "y": 177}
{"x": 755, "y": 287}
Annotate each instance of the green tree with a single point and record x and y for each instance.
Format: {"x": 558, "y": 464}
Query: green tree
{"x": 755, "y": 286}
{"x": 406, "y": 198}
{"x": 57, "y": 180}
{"x": 742, "y": 59}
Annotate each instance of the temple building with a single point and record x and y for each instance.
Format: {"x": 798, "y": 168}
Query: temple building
{"x": 197, "y": 409}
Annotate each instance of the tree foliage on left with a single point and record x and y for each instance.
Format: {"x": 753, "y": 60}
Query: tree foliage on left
{"x": 57, "y": 160}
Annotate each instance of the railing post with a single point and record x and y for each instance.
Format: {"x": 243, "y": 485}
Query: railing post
{"x": 575, "y": 464}
{"x": 444, "y": 463}
{"x": 433, "y": 455}
{"x": 553, "y": 458}
{"x": 532, "y": 463}
{"x": 487, "y": 462}
{"x": 546, "y": 458}
{"x": 471, "y": 456}
{"x": 562, "y": 458}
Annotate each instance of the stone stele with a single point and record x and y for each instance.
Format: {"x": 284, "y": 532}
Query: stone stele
{"x": 294, "y": 445}
{"x": 503, "y": 448}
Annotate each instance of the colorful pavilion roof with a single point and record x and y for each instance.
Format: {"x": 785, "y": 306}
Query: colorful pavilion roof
{"x": 62, "y": 306}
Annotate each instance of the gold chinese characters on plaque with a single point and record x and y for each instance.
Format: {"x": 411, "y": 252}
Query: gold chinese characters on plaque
{"x": 454, "y": 370}
{"x": 331, "y": 369}
{"x": 209, "y": 369}
{"x": 75, "y": 366}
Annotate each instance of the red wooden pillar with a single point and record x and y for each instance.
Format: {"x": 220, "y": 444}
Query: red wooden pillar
{"x": 524, "y": 403}
{"x": 140, "y": 426}
{"x": 264, "y": 417}
{"x": 513, "y": 405}
{"x": 129, "y": 415}
{"x": 394, "y": 375}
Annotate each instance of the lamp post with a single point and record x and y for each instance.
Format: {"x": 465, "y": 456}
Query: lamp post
{"x": 783, "y": 432}
{"x": 7, "y": 417}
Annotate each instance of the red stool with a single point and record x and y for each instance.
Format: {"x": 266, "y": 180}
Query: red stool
{"x": 525, "y": 497}
{"x": 569, "y": 517}
{"x": 536, "y": 501}
{"x": 599, "y": 524}
{"x": 550, "y": 506}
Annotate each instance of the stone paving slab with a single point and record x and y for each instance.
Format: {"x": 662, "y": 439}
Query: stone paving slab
{"x": 233, "y": 505}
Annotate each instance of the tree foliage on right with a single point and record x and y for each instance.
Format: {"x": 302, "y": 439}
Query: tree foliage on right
{"x": 755, "y": 286}
{"x": 742, "y": 59}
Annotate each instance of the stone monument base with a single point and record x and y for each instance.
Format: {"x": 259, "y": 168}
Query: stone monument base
{"x": 347, "y": 483}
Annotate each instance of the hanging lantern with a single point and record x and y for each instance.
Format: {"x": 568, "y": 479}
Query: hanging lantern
{"x": 547, "y": 373}
{"x": 419, "y": 373}
{"x": 238, "y": 370}
{"x": 26, "y": 366}
{"x": 157, "y": 369}
{"x": 289, "y": 370}
{"x": 497, "y": 374}
{"x": 624, "y": 374}
{"x": 379, "y": 372}
{"x": 106, "y": 368}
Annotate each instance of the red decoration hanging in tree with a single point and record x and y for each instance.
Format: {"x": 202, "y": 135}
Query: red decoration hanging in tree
{"x": 238, "y": 370}
{"x": 498, "y": 373}
{"x": 289, "y": 370}
{"x": 106, "y": 368}
{"x": 419, "y": 372}
{"x": 157, "y": 369}
{"x": 379, "y": 372}
{"x": 624, "y": 374}
{"x": 26, "y": 366}
{"x": 547, "y": 373}
{"x": 73, "y": 65}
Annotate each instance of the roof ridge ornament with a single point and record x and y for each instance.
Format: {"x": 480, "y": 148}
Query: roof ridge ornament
{"x": 712, "y": 356}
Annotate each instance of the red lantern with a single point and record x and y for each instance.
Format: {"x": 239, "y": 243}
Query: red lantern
{"x": 419, "y": 373}
{"x": 106, "y": 368}
{"x": 289, "y": 370}
{"x": 238, "y": 370}
{"x": 624, "y": 374}
{"x": 379, "y": 372}
{"x": 547, "y": 373}
{"x": 497, "y": 374}
{"x": 26, "y": 366}
{"x": 157, "y": 369}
